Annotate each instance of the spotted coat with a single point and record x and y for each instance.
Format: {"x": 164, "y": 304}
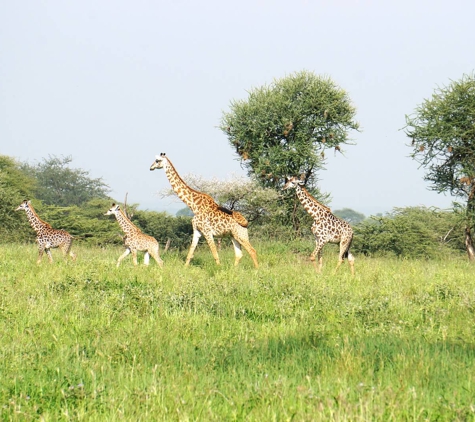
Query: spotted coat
{"x": 209, "y": 219}
{"x": 326, "y": 227}
{"x": 134, "y": 239}
{"x": 47, "y": 237}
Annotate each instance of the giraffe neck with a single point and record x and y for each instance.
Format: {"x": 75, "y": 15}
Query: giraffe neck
{"x": 36, "y": 222}
{"x": 184, "y": 192}
{"x": 125, "y": 224}
{"x": 311, "y": 205}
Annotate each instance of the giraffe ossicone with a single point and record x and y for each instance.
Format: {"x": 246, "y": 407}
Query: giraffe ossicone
{"x": 47, "y": 237}
{"x": 209, "y": 218}
{"x": 134, "y": 239}
{"x": 326, "y": 227}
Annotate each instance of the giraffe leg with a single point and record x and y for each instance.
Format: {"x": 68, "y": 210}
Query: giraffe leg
{"x": 196, "y": 237}
{"x": 237, "y": 251}
{"x": 242, "y": 237}
{"x": 127, "y": 251}
{"x": 146, "y": 258}
{"x": 317, "y": 253}
{"x": 210, "y": 239}
{"x": 251, "y": 252}
{"x": 344, "y": 252}
{"x": 40, "y": 254}
{"x": 351, "y": 261}
{"x": 70, "y": 252}
{"x": 66, "y": 250}
{"x": 156, "y": 256}
{"x": 48, "y": 253}
{"x": 134, "y": 256}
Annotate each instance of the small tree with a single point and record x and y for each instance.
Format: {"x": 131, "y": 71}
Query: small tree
{"x": 442, "y": 130}
{"x": 283, "y": 129}
{"x": 238, "y": 193}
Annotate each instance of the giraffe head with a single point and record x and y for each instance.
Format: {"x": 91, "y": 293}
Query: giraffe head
{"x": 24, "y": 205}
{"x": 292, "y": 182}
{"x": 160, "y": 162}
{"x": 113, "y": 210}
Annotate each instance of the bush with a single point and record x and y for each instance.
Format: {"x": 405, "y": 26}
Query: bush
{"x": 413, "y": 232}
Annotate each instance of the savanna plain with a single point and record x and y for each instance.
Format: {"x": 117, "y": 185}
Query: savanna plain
{"x": 85, "y": 340}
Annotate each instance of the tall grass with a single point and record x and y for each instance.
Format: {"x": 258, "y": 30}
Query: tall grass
{"x": 87, "y": 341}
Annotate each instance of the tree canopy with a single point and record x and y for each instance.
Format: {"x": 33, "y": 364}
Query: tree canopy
{"x": 58, "y": 184}
{"x": 283, "y": 129}
{"x": 442, "y": 130}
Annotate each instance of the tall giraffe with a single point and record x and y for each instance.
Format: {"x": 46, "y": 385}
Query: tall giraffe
{"x": 209, "y": 219}
{"x": 326, "y": 227}
{"x": 46, "y": 236}
{"x": 134, "y": 239}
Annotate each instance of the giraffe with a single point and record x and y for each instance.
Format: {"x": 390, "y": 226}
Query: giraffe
{"x": 209, "y": 219}
{"x": 326, "y": 227}
{"x": 135, "y": 240}
{"x": 46, "y": 236}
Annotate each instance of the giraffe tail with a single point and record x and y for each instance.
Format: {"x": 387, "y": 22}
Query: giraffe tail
{"x": 347, "y": 252}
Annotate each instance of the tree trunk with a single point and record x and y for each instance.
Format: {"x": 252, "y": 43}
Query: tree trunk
{"x": 469, "y": 244}
{"x": 295, "y": 218}
{"x": 470, "y": 219}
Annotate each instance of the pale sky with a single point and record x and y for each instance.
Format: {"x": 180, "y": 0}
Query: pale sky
{"x": 113, "y": 83}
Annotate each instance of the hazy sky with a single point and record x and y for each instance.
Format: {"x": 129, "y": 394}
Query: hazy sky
{"x": 113, "y": 83}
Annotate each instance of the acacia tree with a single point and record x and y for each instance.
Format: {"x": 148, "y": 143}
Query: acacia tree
{"x": 442, "y": 130}
{"x": 283, "y": 129}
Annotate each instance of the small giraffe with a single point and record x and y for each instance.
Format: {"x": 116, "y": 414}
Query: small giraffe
{"x": 326, "y": 226}
{"x": 46, "y": 236}
{"x": 209, "y": 219}
{"x": 135, "y": 240}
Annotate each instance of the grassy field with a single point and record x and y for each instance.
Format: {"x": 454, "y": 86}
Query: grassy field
{"x": 87, "y": 341}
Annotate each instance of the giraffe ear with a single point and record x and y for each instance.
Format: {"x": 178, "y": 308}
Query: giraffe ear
{"x": 302, "y": 177}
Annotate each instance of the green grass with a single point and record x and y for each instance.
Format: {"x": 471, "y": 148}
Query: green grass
{"x": 87, "y": 341}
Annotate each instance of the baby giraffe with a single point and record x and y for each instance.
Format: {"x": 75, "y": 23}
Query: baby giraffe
{"x": 46, "y": 236}
{"x": 134, "y": 239}
{"x": 326, "y": 227}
